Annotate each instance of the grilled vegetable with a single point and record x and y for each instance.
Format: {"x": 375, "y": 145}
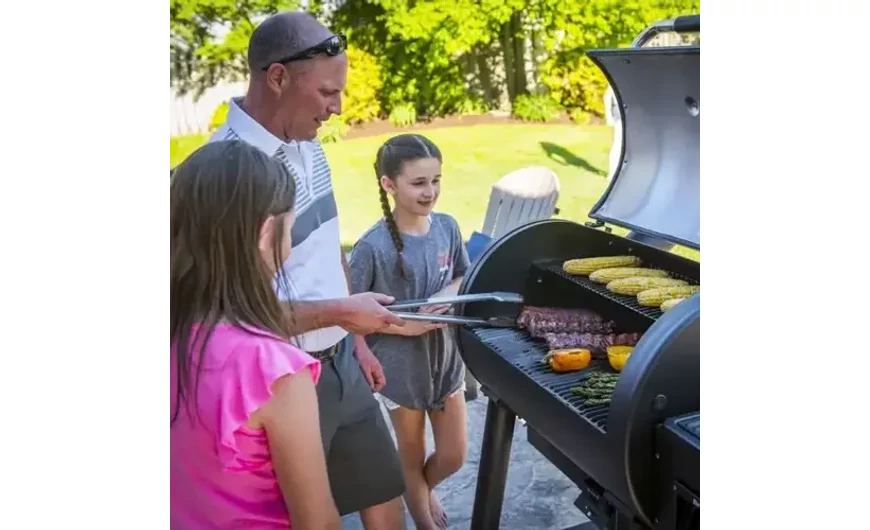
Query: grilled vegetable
{"x": 618, "y": 356}
{"x": 597, "y": 388}
{"x": 671, "y": 302}
{"x": 585, "y": 266}
{"x": 636, "y": 284}
{"x": 658, "y": 295}
{"x": 601, "y": 378}
{"x": 617, "y": 273}
{"x": 569, "y": 360}
{"x": 592, "y": 392}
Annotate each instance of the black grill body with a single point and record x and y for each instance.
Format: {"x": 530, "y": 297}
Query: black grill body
{"x": 678, "y": 445}
{"x": 609, "y": 451}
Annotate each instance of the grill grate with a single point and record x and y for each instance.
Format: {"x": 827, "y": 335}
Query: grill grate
{"x": 691, "y": 425}
{"x": 626, "y": 301}
{"x": 525, "y": 352}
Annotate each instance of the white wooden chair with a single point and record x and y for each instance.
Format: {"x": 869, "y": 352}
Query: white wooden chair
{"x": 520, "y": 197}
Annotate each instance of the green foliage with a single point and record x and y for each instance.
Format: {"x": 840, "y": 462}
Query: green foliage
{"x": 199, "y": 57}
{"x": 364, "y": 82}
{"x": 536, "y": 107}
{"x": 424, "y": 46}
{"x": 441, "y": 56}
{"x": 332, "y": 130}
{"x": 180, "y": 147}
{"x": 471, "y": 106}
{"x": 219, "y": 116}
{"x": 575, "y": 81}
{"x": 571, "y": 28}
{"x": 403, "y": 115}
{"x": 580, "y": 116}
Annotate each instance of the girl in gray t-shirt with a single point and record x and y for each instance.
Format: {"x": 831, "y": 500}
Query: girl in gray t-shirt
{"x": 414, "y": 253}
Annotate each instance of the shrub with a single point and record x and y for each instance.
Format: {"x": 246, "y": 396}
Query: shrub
{"x": 471, "y": 106}
{"x": 361, "y": 94}
{"x": 219, "y": 116}
{"x": 332, "y": 130}
{"x": 537, "y": 107}
{"x": 403, "y": 115}
{"x": 580, "y": 116}
{"x": 576, "y": 83}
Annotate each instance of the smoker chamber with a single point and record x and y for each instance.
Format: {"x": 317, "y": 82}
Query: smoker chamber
{"x": 636, "y": 458}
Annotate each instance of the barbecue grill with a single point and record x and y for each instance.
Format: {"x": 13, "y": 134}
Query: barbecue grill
{"x": 636, "y": 459}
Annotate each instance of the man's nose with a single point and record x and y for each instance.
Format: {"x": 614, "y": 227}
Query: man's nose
{"x": 334, "y": 107}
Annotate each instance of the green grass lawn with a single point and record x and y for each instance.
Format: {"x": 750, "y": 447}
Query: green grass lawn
{"x": 475, "y": 157}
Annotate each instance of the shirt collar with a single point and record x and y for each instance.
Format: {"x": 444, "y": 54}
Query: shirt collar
{"x": 249, "y": 130}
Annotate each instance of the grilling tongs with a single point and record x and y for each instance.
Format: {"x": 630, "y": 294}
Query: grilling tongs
{"x": 497, "y": 321}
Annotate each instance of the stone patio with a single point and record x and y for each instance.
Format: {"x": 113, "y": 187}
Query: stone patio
{"x": 537, "y": 496}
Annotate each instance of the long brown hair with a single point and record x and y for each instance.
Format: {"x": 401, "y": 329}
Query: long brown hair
{"x": 219, "y": 198}
{"x": 388, "y": 163}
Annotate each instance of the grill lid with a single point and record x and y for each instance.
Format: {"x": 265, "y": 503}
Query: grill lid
{"x": 655, "y": 190}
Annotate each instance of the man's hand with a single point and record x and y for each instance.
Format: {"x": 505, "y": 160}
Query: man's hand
{"x": 364, "y": 313}
{"x": 369, "y": 365}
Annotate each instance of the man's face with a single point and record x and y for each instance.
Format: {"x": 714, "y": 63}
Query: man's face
{"x": 313, "y": 96}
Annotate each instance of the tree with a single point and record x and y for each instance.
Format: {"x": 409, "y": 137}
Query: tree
{"x": 208, "y": 40}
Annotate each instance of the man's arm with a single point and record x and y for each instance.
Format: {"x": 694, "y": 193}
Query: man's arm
{"x": 308, "y": 316}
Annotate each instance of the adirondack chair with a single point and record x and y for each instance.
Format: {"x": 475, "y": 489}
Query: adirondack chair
{"x": 522, "y": 196}
{"x": 525, "y": 195}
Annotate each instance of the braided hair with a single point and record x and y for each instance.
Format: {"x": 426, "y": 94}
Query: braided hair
{"x": 388, "y": 163}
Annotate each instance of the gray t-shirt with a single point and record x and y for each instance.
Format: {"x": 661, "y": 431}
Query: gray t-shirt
{"x": 421, "y": 371}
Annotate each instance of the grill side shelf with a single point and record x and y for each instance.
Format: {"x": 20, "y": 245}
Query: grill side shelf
{"x": 630, "y": 302}
{"x": 525, "y": 353}
{"x": 691, "y": 424}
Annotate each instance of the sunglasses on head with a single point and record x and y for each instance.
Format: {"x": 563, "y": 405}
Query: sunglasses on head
{"x": 332, "y": 46}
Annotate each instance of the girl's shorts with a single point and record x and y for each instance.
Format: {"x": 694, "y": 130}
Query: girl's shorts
{"x": 392, "y": 405}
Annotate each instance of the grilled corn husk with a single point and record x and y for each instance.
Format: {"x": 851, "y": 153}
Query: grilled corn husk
{"x": 655, "y": 297}
{"x": 671, "y": 302}
{"x": 585, "y": 266}
{"x": 637, "y": 284}
{"x": 617, "y": 273}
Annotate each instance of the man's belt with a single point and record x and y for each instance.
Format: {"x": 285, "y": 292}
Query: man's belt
{"x": 327, "y": 354}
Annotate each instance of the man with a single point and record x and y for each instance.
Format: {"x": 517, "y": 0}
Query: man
{"x": 298, "y": 69}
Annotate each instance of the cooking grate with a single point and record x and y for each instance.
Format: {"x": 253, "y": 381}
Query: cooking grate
{"x": 525, "y": 352}
{"x": 626, "y": 301}
{"x": 691, "y": 424}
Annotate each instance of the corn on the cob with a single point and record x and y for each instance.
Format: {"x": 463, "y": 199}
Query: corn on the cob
{"x": 617, "y": 273}
{"x": 585, "y": 266}
{"x": 636, "y": 284}
{"x": 655, "y": 297}
{"x": 671, "y": 302}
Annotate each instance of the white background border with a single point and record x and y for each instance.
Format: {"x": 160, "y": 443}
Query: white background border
{"x": 83, "y": 384}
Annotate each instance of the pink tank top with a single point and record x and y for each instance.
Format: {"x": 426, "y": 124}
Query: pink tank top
{"x": 221, "y": 473}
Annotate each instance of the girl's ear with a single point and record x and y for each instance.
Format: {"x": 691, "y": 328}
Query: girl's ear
{"x": 388, "y": 185}
{"x": 267, "y": 236}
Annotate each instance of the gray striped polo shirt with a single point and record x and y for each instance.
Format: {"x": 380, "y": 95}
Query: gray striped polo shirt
{"x": 314, "y": 270}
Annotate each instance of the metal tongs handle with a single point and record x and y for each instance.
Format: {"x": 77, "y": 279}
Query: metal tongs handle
{"x": 505, "y": 297}
{"x": 498, "y": 322}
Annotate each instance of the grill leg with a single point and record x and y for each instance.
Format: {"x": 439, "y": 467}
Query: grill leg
{"x": 495, "y": 454}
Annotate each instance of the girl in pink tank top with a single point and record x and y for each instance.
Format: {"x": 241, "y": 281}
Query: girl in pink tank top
{"x": 245, "y": 446}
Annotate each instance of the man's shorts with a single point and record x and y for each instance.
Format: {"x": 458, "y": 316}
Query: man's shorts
{"x": 391, "y": 405}
{"x": 361, "y": 457}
